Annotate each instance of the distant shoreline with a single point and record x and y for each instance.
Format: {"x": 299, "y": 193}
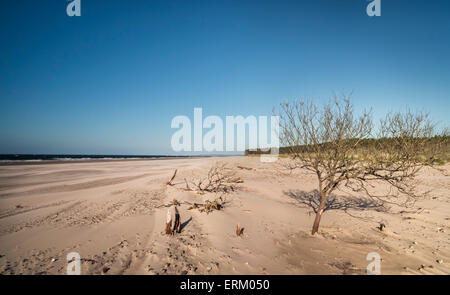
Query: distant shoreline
{"x": 8, "y": 160}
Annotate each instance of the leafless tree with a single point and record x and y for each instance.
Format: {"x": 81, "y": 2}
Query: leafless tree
{"x": 345, "y": 150}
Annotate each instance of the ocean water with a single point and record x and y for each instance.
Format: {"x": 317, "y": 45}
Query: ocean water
{"x": 7, "y": 158}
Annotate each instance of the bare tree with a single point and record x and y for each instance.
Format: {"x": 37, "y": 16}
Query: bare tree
{"x": 345, "y": 150}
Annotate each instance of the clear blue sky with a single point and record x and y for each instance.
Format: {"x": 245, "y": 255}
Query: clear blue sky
{"x": 110, "y": 81}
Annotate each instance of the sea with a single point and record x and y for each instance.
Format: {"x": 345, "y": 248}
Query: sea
{"x": 20, "y": 158}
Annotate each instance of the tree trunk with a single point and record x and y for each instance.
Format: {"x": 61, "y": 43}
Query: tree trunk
{"x": 323, "y": 202}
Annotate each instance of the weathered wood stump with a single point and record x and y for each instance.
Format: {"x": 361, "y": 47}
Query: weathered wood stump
{"x": 239, "y": 230}
{"x": 169, "y": 223}
{"x": 177, "y": 224}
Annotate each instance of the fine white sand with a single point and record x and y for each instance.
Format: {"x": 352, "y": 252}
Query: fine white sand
{"x": 108, "y": 212}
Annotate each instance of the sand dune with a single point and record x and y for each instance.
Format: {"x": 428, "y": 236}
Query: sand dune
{"x": 110, "y": 213}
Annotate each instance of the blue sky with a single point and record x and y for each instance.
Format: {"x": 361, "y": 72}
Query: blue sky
{"x": 111, "y": 80}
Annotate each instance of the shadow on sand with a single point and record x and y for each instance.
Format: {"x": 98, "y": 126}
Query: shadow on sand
{"x": 312, "y": 200}
{"x": 184, "y": 224}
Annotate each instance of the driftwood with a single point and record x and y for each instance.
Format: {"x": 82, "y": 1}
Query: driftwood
{"x": 239, "y": 230}
{"x": 188, "y": 188}
{"x": 169, "y": 223}
{"x": 220, "y": 178}
{"x": 208, "y": 206}
{"x": 173, "y": 177}
{"x": 177, "y": 224}
{"x": 243, "y": 167}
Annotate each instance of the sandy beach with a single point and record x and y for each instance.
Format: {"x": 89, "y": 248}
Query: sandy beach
{"x": 111, "y": 213}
